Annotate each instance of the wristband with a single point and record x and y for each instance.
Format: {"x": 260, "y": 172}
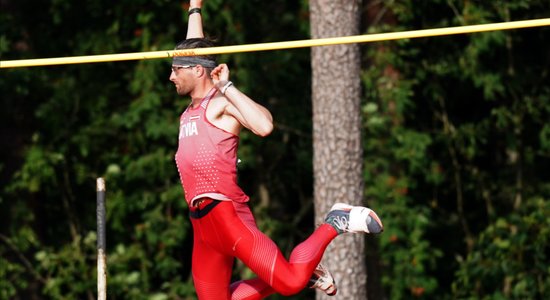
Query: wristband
{"x": 194, "y": 10}
{"x": 225, "y": 87}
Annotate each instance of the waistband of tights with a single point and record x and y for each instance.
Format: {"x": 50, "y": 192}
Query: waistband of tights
{"x": 202, "y": 207}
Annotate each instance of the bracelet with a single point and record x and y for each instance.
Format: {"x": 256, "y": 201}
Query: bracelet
{"x": 194, "y": 10}
{"x": 225, "y": 87}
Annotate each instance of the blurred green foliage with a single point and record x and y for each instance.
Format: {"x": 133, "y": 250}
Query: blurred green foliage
{"x": 457, "y": 147}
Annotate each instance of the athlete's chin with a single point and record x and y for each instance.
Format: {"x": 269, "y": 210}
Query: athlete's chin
{"x": 181, "y": 92}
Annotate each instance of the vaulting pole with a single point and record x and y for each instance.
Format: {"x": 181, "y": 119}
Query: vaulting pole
{"x": 277, "y": 45}
{"x": 101, "y": 242}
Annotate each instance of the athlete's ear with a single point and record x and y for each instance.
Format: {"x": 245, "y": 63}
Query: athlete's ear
{"x": 199, "y": 71}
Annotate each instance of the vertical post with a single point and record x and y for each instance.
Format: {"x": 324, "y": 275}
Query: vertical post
{"x": 101, "y": 259}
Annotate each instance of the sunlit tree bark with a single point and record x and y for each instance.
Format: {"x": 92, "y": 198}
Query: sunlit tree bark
{"x": 337, "y": 136}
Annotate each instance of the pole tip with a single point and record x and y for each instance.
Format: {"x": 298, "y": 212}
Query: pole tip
{"x": 100, "y": 183}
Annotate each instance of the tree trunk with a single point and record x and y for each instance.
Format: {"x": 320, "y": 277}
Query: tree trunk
{"x": 337, "y": 148}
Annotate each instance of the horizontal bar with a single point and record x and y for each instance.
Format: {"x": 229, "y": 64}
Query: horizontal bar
{"x": 277, "y": 45}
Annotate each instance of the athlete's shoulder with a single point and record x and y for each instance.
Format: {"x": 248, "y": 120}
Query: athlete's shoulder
{"x": 218, "y": 104}
{"x": 219, "y": 107}
{"x": 222, "y": 113}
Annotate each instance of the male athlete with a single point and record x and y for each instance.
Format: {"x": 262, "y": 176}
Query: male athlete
{"x": 223, "y": 225}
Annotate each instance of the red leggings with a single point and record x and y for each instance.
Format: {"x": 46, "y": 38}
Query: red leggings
{"x": 228, "y": 231}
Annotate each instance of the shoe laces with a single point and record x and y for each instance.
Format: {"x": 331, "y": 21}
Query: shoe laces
{"x": 322, "y": 280}
{"x": 322, "y": 284}
{"x": 341, "y": 222}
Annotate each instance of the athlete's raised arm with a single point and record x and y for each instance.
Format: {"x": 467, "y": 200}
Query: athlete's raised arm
{"x": 194, "y": 26}
{"x": 249, "y": 113}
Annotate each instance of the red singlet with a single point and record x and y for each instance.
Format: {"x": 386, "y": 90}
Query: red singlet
{"x": 207, "y": 157}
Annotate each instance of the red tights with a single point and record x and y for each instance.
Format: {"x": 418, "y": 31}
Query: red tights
{"x": 228, "y": 231}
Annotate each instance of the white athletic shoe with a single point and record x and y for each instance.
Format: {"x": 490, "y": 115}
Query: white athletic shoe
{"x": 322, "y": 279}
{"x": 347, "y": 218}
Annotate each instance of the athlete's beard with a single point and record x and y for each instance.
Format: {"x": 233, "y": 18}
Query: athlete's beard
{"x": 182, "y": 91}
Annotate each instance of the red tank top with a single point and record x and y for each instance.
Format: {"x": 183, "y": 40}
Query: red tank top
{"x": 207, "y": 157}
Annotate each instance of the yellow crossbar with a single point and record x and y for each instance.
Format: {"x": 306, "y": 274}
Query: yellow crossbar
{"x": 277, "y": 45}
